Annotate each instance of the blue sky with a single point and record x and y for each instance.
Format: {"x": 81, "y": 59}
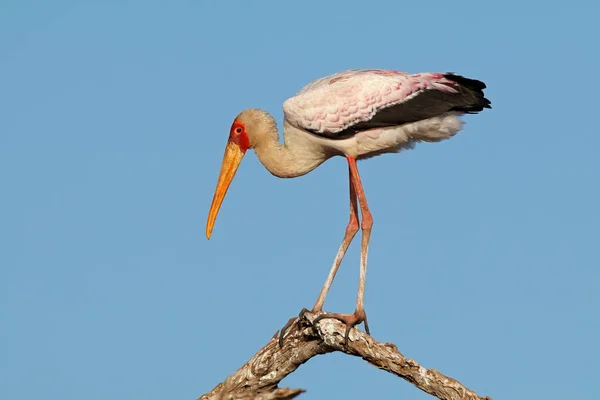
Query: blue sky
{"x": 483, "y": 261}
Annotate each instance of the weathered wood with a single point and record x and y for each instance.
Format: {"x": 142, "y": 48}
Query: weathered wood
{"x": 259, "y": 377}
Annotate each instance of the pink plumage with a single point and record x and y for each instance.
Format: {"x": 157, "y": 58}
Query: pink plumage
{"x": 338, "y": 101}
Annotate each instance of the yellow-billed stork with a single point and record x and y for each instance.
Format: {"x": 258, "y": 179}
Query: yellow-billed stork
{"x": 356, "y": 114}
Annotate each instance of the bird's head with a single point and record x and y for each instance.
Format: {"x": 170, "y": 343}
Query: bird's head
{"x": 249, "y": 129}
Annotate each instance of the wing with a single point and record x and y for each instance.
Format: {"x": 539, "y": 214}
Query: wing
{"x": 337, "y": 106}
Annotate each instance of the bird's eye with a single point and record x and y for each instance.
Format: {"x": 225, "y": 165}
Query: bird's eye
{"x": 238, "y": 130}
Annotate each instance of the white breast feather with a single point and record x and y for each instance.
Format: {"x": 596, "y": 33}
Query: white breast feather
{"x": 393, "y": 139}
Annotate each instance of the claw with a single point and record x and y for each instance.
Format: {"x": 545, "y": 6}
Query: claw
{"x": 302, "y": 312}
{"x": 351, "y": 320}
{"x": 289, "y": 324}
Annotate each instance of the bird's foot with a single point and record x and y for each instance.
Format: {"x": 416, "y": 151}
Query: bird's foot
{"x": 289, "y": 324}
{"x": 350, "y": 320}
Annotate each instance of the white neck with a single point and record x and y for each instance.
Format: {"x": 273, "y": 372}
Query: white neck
{"x": 296, "y": 157}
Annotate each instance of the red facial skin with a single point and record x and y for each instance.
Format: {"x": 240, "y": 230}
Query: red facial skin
{"x": 238, "y": 135}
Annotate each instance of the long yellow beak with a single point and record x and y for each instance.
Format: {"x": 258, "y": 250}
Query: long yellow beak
{"x": 231, "y": 161}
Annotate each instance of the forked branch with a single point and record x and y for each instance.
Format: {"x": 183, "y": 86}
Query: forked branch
{"x": 259, "y": 377}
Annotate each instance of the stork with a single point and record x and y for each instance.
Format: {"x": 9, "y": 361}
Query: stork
{"x": 356, "y": 114}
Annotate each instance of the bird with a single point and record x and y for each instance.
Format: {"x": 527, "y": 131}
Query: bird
{"x": 356, "y": 114}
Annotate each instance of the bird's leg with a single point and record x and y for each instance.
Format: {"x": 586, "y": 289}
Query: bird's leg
{"x": 367, "y": 222}
{"x": 351, "y": 230}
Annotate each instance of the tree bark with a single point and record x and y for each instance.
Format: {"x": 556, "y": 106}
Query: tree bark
{"x": 259, "y": 377}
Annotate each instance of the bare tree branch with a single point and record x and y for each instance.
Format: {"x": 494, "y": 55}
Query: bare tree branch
{"x": 259, "y": 377}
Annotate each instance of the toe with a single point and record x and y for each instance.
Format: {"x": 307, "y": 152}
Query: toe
{"x": 285, "y": 328}
{"x": 351, "y": 320}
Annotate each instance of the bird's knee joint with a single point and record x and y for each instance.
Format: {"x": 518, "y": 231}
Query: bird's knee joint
{"x": 367, "y": 222}
{"x": 352, "y": 226}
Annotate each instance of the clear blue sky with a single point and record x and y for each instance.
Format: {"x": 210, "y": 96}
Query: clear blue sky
{"x": 113, "y": 119}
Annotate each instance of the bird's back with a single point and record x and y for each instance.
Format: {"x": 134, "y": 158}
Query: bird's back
{"x": 339, "y": 105}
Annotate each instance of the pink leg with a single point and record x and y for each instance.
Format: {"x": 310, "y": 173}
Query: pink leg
{"x": 351, "y": 230}
{"x": 367, "y": 222}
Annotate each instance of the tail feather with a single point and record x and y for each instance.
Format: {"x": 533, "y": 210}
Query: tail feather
{"x": 475, "y": 87}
